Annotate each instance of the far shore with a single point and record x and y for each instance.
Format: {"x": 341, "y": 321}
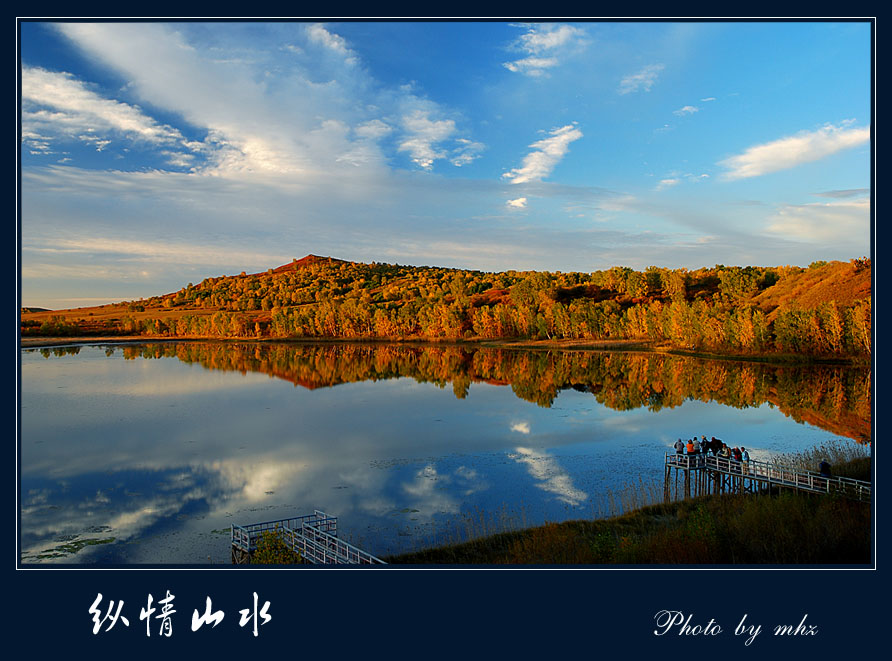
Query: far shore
{"x": 550, "y": 345}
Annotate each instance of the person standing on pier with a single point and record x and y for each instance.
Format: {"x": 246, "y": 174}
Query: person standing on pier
{"x": 679, "y": 446}
{"x": 696, "y": 451}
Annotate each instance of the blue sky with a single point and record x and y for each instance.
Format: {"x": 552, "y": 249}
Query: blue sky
{"x": 156, "y": 154}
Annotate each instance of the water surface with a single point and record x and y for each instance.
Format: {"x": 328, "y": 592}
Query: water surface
{"x": 147, "y": 453}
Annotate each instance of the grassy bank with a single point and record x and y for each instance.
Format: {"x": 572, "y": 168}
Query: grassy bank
{"x": 778, "y": 528}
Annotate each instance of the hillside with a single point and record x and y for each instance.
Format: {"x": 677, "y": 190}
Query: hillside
{"x": 844, "y": 283}
{"x": 822, "y": 310}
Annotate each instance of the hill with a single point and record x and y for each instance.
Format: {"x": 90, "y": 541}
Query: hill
{"x": 821, "y": 282}
{"x": 824, "y": 310}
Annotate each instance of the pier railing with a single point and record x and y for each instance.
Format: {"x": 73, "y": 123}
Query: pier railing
{"x": 313, "y": 536}
{"x": 774, "y": 474}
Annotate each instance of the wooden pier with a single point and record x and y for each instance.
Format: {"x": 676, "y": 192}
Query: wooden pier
{"x": 313, "y": 536}
{"x": 703, "y": 474}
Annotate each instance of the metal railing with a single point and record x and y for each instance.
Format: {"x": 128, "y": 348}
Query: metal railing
{"x": 774, "y": 473}
{"x": 314, "y": 536}
{"x": 321, "y": 548}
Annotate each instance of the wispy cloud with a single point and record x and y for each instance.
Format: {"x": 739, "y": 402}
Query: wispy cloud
{"x": 543, "y": 46}
{"x": 322, "y": 113}
{"x": 423, "y": 135}
{"x": 161, "y": 252}
{"x": 791, "y": 151}
{"x": 849, "y": 192}
{"x": 685, "y": 110}
{"x": 531, "y": 66}
{"x": 57, "y": 106}
{"x": 825, "y": 222}
{"x": 667, "y": 183}
{"x": 707, "y": 99}
{"x": 465, "y": 152}
{"x": 676, "y": 177}
{"x": 643, "y": 80}
{"x": 546, "y": 155}
{"x": 519, "y": 203}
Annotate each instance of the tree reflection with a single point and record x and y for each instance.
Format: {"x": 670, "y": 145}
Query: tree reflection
{"x": 832, "y": 397}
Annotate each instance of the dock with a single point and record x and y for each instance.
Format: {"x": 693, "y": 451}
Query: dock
{"x": 313, "y": 536}
{"x": 703, "y": 474}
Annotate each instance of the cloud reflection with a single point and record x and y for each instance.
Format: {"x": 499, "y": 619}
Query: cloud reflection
{"x": 551, "y": 477}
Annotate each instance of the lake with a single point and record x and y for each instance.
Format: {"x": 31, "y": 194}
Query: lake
{"x": 146, "y": 453}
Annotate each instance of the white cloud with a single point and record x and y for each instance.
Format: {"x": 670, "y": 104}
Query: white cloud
{"x": 317, "y": 34}
{"x": 373, "y": 129}
{"x": 532, "y": 66}
{"x": 546, "y": 37}
{"x": 548, "y": 153}
{"x": 825, "y": 222}
{"x": 521, "y": 427}
{"x": 423, "y": 136}
{"x": 643, "y": 80}
{"x": 791, "y": 151}
{"x": 519, "y": 203}
{"x": 667, "y": 183}
{"x": 708, "y": 99}
{"x": 544, "y": 45}
{"x": 686, "y": 110}
{"x": 316, "y": 112}
{"x": 55, "y": 105}
{"x": 467, "y": 151}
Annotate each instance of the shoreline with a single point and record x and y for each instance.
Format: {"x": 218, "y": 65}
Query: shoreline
{"x": 642, "y": 346}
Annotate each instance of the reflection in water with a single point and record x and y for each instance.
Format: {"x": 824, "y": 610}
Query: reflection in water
{"x": 151, "y": 458}
{"x": 549, "y": 475}
{"x": 832, "y": 397}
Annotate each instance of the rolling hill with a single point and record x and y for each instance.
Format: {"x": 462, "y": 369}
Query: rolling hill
{"x": 824, "y": 309}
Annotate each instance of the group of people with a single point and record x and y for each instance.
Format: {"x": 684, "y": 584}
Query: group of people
{"x": 714, "y": 446}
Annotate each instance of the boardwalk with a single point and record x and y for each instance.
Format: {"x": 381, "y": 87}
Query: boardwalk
{"x": 314, "y": 537}
{"x": 703, "y": 474}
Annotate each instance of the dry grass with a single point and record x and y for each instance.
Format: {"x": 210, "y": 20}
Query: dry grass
{"x": 836, "y": 281}
{"x": 846, "y": 459}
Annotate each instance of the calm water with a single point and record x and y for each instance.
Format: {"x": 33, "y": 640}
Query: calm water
{"x": 146, "y": 454}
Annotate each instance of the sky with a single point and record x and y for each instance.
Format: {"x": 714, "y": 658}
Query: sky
{"x": 155, "y": 154}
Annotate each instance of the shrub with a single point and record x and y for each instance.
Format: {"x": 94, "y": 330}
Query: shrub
{"x": 272, "y": 550}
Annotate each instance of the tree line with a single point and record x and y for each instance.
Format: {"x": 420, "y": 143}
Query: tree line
{"x": 717, "y": 309}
